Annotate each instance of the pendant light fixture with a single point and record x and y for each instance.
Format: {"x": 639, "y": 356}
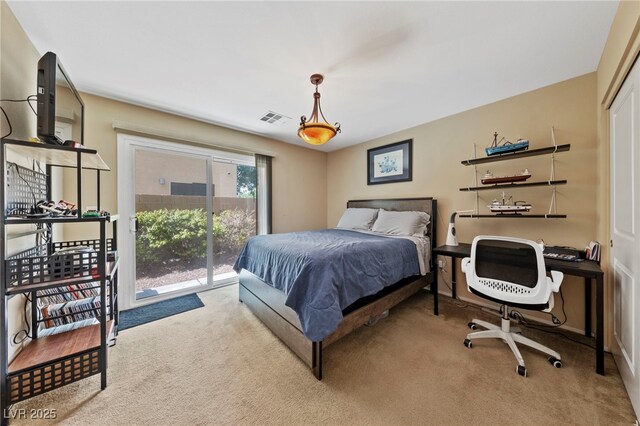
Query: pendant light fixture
{"x": 313, "y": 131}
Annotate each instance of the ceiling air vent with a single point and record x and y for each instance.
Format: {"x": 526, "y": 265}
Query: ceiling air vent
{"x": 274, "y": 118}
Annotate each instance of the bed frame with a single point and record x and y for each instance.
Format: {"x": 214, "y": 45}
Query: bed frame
{"x": 268, "y": 303}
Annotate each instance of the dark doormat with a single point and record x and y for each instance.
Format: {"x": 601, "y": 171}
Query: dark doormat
{"x": 155, "y": 311}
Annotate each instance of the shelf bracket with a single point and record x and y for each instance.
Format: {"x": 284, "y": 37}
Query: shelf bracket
{"x": 553, "y": 207}
{"x": 475, "y": 178}
{"x": 553, "y": 154}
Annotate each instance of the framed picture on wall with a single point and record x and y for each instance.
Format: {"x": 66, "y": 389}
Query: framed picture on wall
{"x": 390, "y": 163}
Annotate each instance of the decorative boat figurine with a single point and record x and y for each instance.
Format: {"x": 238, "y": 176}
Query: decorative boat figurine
{"x": 506, "y": 205}
{"x": 490, "y": 179}
{"x": 506, "y": 147}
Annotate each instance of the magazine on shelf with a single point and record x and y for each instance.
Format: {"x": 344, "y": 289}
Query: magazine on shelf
{"x": 593, "y": 250}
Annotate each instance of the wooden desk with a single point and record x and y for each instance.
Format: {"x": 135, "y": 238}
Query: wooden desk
{"x": 588, "y": 269}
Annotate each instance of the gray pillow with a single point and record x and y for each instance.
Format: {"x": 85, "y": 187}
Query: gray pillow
{"x": 401, "y": 223}
{"x": 353, "y": 218}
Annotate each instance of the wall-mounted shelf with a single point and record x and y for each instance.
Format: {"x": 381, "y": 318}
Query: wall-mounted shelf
{"x": 515, "y": 185}
{"x": 520, "y": 154}
{"x": 552, "y": 182}
{"x": 516, "y": 216}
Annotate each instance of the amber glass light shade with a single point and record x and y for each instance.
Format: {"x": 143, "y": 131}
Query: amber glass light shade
{"x": 316, "y": 133}
{"x": 312, "y": 130}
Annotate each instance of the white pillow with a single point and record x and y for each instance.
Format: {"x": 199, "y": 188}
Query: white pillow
{"x": 401, "y": 223}
{"x": 353, "y": 218}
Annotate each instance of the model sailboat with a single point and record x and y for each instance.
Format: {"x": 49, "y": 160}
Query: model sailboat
{"x": 503, "y": 146}
{"x": 490, "y": 179}
{"x": 506, "y": 205}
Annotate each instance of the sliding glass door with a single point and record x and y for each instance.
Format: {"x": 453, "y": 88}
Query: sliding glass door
{"x": 190, "y": 211}
{"x": 234, "y": 213}
{"x": 171, "y": 213}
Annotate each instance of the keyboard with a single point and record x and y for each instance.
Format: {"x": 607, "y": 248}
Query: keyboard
{"x": 562, "y": 256}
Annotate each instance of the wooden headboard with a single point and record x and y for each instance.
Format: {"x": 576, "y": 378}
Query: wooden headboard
{"x": 427, "y": 204}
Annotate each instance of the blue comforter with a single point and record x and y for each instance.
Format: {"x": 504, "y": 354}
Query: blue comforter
{"x": 322, "y": 272}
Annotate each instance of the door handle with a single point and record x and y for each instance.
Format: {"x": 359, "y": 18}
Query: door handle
{"x": 133, "y": 224}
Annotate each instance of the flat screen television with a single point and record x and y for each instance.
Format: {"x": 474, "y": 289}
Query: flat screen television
{"x": 60, "y": 108}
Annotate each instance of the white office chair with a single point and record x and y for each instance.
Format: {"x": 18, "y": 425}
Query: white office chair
{"x": 510, "y": 271}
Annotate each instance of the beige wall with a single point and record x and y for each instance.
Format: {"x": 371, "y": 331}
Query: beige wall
{"x": 439, "y": 146}
{"x": 578, "y": 109}
{"x": 68, "y": 113}
{"x": 18, "y": 74}
{"x": 225, "y": 179}
{"x": 299, "y": 174}
{"x": 152, "y": 166}
{"x": 154, "y": 177}
{"x": 620, "y": 52}
{"x": 586, "y": 166}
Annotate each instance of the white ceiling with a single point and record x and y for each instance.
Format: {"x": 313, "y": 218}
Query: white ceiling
{"x": 388, "y": 65}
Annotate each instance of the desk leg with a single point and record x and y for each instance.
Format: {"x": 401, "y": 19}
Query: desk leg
{"x": 453, "y": 277}
{"x": 587, "y": 307}
{"x": 600, "y": 324}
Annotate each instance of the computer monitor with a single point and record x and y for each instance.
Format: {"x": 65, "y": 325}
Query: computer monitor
{"x": 60, "y": 107}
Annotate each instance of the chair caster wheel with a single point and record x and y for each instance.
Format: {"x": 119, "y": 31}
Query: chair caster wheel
{"x": 472, "y": 325}
{"x": 468, "y": 343}
{"x": 555, "y": 362}
{"x": 521, "y": 370}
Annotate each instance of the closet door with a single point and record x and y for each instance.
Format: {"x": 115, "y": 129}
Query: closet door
{"x": 625, "y": 212}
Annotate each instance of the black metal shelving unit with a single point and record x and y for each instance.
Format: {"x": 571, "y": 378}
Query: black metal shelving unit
{"x": 73, "y": 297}
{"x": 511, "y": 185}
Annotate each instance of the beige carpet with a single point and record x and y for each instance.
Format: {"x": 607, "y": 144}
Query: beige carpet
{"x": 220, "y": 365}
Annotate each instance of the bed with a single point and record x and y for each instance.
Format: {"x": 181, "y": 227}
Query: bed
{"x": 305, "y": 331}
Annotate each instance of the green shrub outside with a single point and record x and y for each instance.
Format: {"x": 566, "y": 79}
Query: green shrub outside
{"x": 236, "y": 226}
{"x": 182, "y": 234}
